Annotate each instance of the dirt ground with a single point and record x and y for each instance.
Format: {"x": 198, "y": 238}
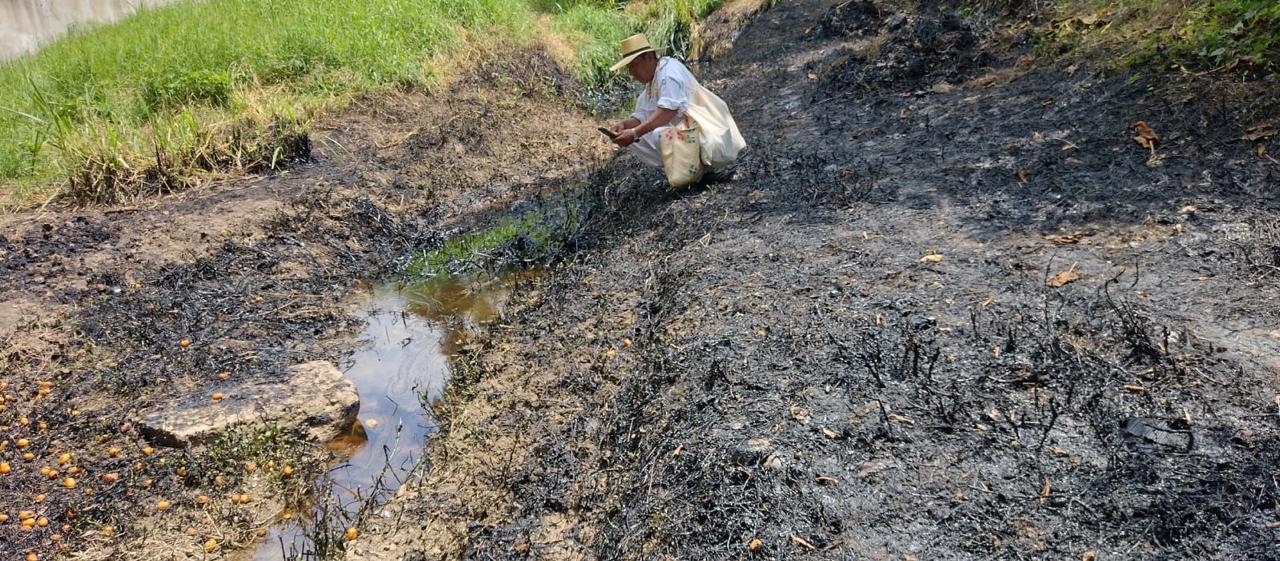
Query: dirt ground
{"x": 945, "y": 307}
{"x": 255, "y": 274}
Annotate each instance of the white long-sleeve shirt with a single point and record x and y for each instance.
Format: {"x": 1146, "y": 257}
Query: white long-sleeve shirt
{"x": 670, "y": 88}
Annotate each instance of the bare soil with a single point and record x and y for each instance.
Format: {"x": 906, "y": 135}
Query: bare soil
{"x": 945, "y": 307}
{"x": 254, "y": 274}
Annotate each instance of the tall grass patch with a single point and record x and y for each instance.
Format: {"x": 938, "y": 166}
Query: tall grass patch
{"x": 147, "y": 104}
{"x": 1240, "y": 35}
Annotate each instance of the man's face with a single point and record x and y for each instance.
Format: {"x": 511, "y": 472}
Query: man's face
{"x": 642, "y": 67}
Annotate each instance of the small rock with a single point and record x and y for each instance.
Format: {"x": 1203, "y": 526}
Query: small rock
{"x": 753, "y": 451}
{"x": 315, "y": 395}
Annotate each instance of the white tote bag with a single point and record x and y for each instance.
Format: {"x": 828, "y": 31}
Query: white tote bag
{"x": 718, "y": 133}
{"x": 681, "y": 152}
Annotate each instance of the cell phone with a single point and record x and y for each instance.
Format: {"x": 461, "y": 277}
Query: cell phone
{"x": 607, "y": 133}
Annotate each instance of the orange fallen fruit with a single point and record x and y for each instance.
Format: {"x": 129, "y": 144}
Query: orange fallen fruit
{"x": 184, "y": 343}
{"x": 69, "y": 483}
{"x": 28, "y": 456}
{"x": 286, "y": 471}
{"x": 32, "y": 556}
{"x": 217, "y": 396}
{"x": 22, "y": 443}
{"x": 42, "y": 522}
{"x": 351, "y": 534}
{"x": 113, "y": 452}
{"x": 4, "y": 518}
{"x": 211, "y": 546}
{"x": 202, "y": 499}
{"x": 147, "y": 451}
{"x": 224, "y": 376}
{"x": 110, "y": 477}
{"x": 4, "y": 468}
{"x": 40, "y": 498}
{"x": 162, "y": 505}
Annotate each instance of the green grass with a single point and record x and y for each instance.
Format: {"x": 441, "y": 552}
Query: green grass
{"x": 148, "y": 103}
{"x": 1222, "y": 32}
{"x": 1242, "y": 35}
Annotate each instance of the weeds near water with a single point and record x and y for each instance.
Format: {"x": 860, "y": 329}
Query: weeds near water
{"x": 537, "y": 232}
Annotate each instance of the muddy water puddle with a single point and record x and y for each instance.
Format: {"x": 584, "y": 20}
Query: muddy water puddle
{"x": 402, "y": 369}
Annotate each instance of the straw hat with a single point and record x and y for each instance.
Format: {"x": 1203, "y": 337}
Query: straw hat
{"x": 633, "y": 47}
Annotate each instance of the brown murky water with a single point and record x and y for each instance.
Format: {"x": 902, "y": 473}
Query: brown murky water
{"x": 404, "y": 368}
{"x": 25, "y": 25}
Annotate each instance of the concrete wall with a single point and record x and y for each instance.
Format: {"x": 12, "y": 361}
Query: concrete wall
{"x": 26, "y": 24}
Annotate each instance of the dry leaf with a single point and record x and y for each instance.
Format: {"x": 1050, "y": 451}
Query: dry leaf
{"x": 801, "y": 414}
{"x": 1134, "y": 388}
{"x": 1066, "y": 240}
{"x": 872, "y": 467}
{"x": 826, "y": 479}
{"x": 1071, "y": 70}
{"x": 1189, "y": 209}
{"x": 1089, "y": 556}
{"x": 931, "y": 258}
{"x": 1062, "y": 279}
{"x": 1045, "y": 490}
{"x": 1147, "y": 137}
{"x": 1058, "y": 452}
{"x": 989, "y": 301}
{"x": 901, "y": 419}
{"x": 813, "y": 76}
{"x": 1260, "y": 132}
{"x": 830, "y": 433}
{"x": 802, "y": 543}
{"x": 1022, "y": 175}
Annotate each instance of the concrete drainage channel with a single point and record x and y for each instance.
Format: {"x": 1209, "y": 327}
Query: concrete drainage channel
{"x": 410, "y": 334}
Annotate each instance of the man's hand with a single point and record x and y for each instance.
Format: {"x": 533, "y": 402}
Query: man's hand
{"x": 617, "y": 128}
{"x": 625, "y": 138}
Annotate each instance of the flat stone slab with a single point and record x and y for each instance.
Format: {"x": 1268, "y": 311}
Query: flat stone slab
{"x": 315, "y": 396}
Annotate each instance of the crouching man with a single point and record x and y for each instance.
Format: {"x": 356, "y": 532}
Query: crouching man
{"x": 672, "y": 97}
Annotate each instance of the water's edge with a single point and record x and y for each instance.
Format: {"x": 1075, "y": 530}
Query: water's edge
{"x": 402, "y": 368}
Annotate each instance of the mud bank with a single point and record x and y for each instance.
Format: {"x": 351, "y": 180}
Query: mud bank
{"x": 110, "y": 312}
